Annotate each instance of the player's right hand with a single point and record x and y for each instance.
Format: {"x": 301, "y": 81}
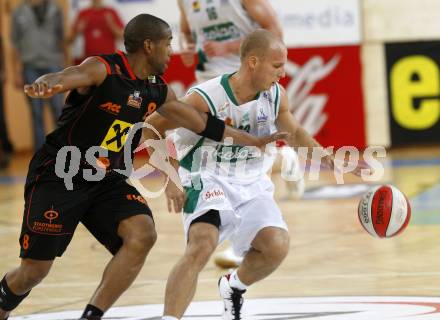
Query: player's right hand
{"x": 272, "y": 138}
{"x": 188, "y": 55}
{"x": 41, "y": 89}
{"x": 175, "y": 197}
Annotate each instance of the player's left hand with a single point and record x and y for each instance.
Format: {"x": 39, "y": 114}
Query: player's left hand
{"x": 175, "y": 197}
{"x": 264, "y": 140}
{"x": 215, "y": 49}
{"x": 42, "y": 89}
{"x": 345, "y": 166}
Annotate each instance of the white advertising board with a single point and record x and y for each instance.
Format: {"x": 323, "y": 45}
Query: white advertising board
{"x": 311, "y": 23}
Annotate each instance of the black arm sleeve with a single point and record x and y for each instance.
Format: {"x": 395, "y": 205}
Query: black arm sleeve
{"x": 215, "y": 128}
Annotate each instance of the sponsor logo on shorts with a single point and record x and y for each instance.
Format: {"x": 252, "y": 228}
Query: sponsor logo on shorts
{"x": 48, "y": 227}
{"x": 51, "y": 215}
{"x": 214, "y": 194}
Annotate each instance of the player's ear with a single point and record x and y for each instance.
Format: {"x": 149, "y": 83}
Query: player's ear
{"x": 148, "y": 45}
{"x": 252, "y": 62}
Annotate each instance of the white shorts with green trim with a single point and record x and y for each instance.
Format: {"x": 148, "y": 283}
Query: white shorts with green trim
{"x": 244, "y": 209}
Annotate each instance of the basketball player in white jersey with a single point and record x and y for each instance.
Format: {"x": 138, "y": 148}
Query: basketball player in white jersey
{"x": 228, "y": 192}
{"x": 213, "y": 30}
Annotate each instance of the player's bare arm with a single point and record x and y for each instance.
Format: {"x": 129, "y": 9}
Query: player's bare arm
{"x": 301, "y": 138}
{"x": 188, "y": 116}
{"x": 186, "y": 41}
{"x": 174, "y": 193}
{"x": 262, "y": 12}
{"x": 91, "y": 72}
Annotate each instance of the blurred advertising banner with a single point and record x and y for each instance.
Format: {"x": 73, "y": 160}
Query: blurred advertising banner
{"x": 324, "y": 90}
{"x": 413, "y": 80}
{"x": 312, "y": 23}
{"x": 323, "y": 74}
{"x": 317, "y": 23}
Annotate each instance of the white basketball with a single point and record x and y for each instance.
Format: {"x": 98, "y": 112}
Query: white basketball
{"x": 384, "y": 211}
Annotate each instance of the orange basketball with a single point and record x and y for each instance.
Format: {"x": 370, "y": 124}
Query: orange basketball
{"x": 384, "y": 211}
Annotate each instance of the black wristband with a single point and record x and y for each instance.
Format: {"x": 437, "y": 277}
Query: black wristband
{"x": 8, "y": 300}
{"x": 215, "y": 128}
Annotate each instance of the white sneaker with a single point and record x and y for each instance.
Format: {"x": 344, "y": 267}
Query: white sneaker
{"x": 292, "y": 174}
{"x": 295, "y": 189}
{"x": 232, "y": 299}
{"x": 227, "y": 259}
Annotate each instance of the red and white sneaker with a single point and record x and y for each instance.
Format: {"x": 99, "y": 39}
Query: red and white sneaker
{"x": 232, "y": 299}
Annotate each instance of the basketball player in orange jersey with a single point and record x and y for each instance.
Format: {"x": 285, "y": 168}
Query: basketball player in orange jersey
{"x": 213, "y": 31}
{"x": 108, "y": 95}
{"x": 221, "y": 202}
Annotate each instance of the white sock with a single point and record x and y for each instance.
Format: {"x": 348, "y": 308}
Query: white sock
{"x": 235, "y": 282}
{"x": 169, "y": 318}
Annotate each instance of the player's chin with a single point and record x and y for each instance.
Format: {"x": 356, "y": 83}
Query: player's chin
{"x": 268, "y": 86}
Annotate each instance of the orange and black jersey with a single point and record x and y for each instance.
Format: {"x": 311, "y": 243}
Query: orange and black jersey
{"x": 105, "y": 115}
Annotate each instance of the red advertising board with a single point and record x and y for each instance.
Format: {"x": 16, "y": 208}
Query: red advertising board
{"x": 324, "y": 90}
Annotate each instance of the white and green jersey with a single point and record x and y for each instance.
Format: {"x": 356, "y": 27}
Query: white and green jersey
{"x": 217, "y": 20}
{"x": 201, "y": 157}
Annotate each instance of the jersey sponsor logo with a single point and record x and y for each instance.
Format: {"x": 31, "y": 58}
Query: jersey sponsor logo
{"x": 221, "y": 32}
{"x": 152, "y": 79}
{"x": 135, "y": 100}
{"x": 117, "y": 134}
{"x": 111, "y": 108}
{"x": 229, "y": 122}
{"x": 223, "y": 110}
{"x": 328, "y": 308}
{"x": 245, "y": 118}
{"x": 196, "y": 6}
{"x": 213, "y": 194}
{"x": 133, "y": 197}
{"x": 234, "y": 153}
{"x": 267, "y": 97}
{"x": 103, "y": 163}
{"x": 152, "y": 106}
{"x": 262, "y": 117}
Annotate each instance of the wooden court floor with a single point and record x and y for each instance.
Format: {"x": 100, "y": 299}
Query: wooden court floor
{"x": 330, "y": 254}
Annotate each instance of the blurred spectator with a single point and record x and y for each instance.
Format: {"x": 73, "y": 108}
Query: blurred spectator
{"x": 37, "y": 36}
{"x": 5, "y": 144}
{"x": 101, "y": 28}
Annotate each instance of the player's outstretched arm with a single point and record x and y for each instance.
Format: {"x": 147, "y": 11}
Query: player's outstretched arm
{"x": 91, "y": 72}
{"x": 188, "y": 116}
{"x": 301, "y": 138}
{"x": 158, "y": 151}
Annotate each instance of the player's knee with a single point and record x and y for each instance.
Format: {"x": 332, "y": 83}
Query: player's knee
{"x": 141, "y": 242}
{"x": 33, "y": 272}
{"x": 277, "y": 247}
{"x": 138, "y": 234}
{"x": 199, "y": 252}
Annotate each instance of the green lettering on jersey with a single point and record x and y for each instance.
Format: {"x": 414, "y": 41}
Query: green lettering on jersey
{"x": 221, "y": 32}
